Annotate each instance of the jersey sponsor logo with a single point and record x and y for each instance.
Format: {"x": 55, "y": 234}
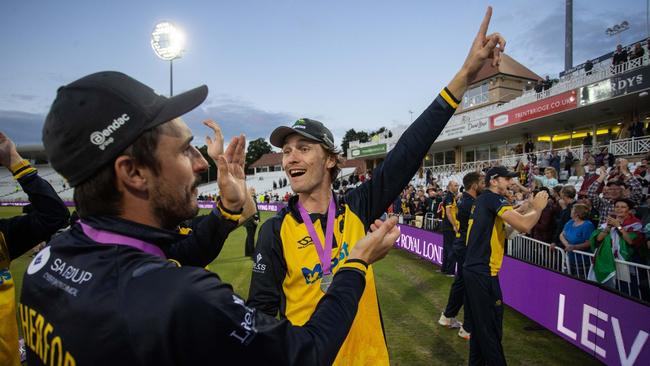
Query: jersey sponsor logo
{"x": 41, "y": 338}
{"x": 315, "y": 273}
{"x": 258, "y": 266}
{"x": 69, "y": 272}
{"x": 247, "y": 331}
{"x": 39, "y": 261}
{"x": 305, "y": 242}
{"x": 5, "y": 275}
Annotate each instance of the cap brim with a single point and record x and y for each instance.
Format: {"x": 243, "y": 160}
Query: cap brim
{"x": 512, "y": 175}
{"x": 180, "y": 104}
{"x": 280, "y": 134}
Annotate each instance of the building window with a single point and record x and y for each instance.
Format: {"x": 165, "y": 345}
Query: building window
{"x": 450, "y": 157}
{"x": 439, "y": 158}
{"x": 469, "y": 155}
{"x": 476, "y": 96}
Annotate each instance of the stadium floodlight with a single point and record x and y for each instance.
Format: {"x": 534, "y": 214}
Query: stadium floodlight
{"x": 168, "y": 42}
{"x": 617, "y": 29}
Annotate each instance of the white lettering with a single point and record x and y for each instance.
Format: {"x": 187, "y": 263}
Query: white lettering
{"x": 587, "y": 328}
{"x": 636, "y": 348}
{"x": 560, "y": 320}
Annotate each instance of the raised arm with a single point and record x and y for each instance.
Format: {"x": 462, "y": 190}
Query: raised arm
{"x": 525, "y": 222}
{"x": 372, "y": 198}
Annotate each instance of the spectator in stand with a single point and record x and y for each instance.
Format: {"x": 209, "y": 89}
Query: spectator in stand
{"x": 529, "y": 147}
{"x": 588, "y": 67}
{"x": 574, "y": 235}
{"x": 637, "y": 128}
{"x": 568, "y": 161}
{"x": 641, "y": 173}
{"x": 566, "y": 202}
{"x": 618, "y": 237}
{"x": 539, "y": 86}
{"x": 588, "y": 140}
{"x": 614, "y": 191}
{"x": 545, "y": 227}
{"x": 554, "y": 161}
{"x": 549, "y": 179}
{"x": 637, "y": 52}
{"x": 548, "y": 83}
{"x": 604, "y": 158}
{"x": 620, "y": 56}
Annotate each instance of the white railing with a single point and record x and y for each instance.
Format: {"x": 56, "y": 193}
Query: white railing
{"x": 537, "y": 252}
{"x": 631, "y": 146}
{"x": 632, "y": 279}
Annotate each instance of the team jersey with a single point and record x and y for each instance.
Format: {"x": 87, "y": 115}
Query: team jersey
{"x": 449, "y": 202}
{"x": 287, "y": 271}
{"x": 18, "y": 235}
{"x": 486, "y": 234}
{"x": 464, "y": 211}
{"x": 86, "y": 302}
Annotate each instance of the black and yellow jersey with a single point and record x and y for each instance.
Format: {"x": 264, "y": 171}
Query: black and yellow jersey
{"x": 287, "y": 271}
{"x": 465, "y": 205}
{"x": 449, "y": 202}
{"x": 486, "y": 235}
{"x": 18, "y": 235}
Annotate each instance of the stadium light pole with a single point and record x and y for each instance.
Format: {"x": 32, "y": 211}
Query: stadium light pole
{"x": 168, "y": 42}
{"x": 617, "y": 29}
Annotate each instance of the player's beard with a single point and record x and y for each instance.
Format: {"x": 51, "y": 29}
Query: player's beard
{"x": 171, "y": 205}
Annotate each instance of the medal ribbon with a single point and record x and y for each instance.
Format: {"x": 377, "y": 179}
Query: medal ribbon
{"x": 324, "y": 254}
{"x": 110, "y": 238}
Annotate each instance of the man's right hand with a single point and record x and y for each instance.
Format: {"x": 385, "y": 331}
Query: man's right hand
{"x": 540, "y": 200}
{"x": 8, "y": 154}
{"x": 376, "y": 244}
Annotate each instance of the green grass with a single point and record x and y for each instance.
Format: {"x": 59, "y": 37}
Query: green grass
{"x": 412, "y": 295}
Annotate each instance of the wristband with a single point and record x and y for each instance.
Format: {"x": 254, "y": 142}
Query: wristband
{"x": 228, "y": 214}
{"x": 21, "y": 169}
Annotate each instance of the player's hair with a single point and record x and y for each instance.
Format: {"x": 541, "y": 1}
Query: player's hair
{"x": 471, "y": 178}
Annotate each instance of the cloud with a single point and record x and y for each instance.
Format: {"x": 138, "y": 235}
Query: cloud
{"x": 24, "y": 97}
{"x": 235, "y": 116}
{"x": 22, "y": 127}
{"x": 541, "y": 46}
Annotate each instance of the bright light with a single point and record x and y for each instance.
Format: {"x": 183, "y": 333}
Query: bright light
{"x": 168, "y": 41}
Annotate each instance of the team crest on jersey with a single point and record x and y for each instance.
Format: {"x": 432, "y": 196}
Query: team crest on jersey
{"x": 316, "y": 273}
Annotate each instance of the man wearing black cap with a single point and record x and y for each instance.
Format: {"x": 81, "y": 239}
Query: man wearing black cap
{"x": 104, "y": 293}
{"x": 486, "y": 238}
{"x": 303, "y": 246}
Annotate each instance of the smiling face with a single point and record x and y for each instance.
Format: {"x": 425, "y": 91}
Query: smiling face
{"x": 306, "y": 164}
{"x": 172, "y": 192}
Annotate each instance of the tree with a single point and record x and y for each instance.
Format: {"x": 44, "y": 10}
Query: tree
{"x": 256, "y": 148}
{"x": 352, "y": 135}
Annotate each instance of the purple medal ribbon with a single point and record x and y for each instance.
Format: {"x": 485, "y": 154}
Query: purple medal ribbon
{"x": 110, "y": 238}
{"x": 324, "y": 254}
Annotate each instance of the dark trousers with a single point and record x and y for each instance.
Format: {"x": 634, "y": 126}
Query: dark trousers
{"x": 457, "y": 290}
{"x": 250, "y": 240}
{"x": 484, "y": 304}
{"x": 448, "y": 261}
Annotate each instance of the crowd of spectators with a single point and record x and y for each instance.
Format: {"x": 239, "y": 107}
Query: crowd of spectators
{"x": 609, "y": 217}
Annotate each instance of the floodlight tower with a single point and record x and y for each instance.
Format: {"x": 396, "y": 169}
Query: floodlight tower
{"x": 168, "y": 41}
{"x": 617, "y": 29}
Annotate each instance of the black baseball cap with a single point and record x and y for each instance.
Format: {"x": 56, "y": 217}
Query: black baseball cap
{"x": 309, "y": 128}
{"x": 498, "y": 171}
{"x": 92, "y": 120}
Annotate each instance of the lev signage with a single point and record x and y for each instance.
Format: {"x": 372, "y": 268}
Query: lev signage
{"x": 541, "y": 108}
{"x": 630, "y": 82}
{"x": 610, "y": 327}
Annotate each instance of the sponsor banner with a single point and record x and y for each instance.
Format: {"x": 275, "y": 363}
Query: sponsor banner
{"x": 462, "y": 127}
{"x": 608, "y": 326}
{"x": 271, "y": 206}
{"x": 547, "y": 106}
{"x": 426, "y": 244}
{"x": 360, "y": 152}
{"x": 631, "y": 82}
{"x": 595, "y": 92}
